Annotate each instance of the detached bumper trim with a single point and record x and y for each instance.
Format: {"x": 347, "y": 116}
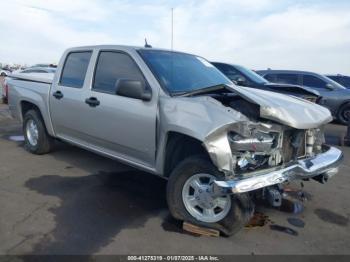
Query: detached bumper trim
{"x": 326, "y": 162}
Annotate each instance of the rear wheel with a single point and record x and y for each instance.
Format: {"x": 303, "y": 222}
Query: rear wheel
{"x": 36, "y": 138}
{"x": 4, "y": 100}
{"x": 344, "y": 114}
{"x": 190, "y": 198}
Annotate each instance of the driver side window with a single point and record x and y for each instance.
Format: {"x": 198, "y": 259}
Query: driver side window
{"x": 112, "y": 66}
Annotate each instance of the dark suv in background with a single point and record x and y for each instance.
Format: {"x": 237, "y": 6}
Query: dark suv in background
{"x": 343, "y": 80}
{"x": 333, "y": 95}
{"x": 245, "y": 77}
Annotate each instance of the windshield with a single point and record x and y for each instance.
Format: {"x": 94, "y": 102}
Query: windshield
{"x": 254, "y": 77}
{"x": 182, "y": 73}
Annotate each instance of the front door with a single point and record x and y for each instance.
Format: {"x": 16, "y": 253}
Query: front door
{"x": 121, "y": 126}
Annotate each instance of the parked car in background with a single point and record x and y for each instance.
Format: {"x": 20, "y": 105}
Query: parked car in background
{"x": 4, "y": 72}
{"x": 39, "y": 70}
{"x": 333, "y": 95}
{"x": 175, "y": 115}
{"x": 4, "y": 91}
{"x": 245, "y": 77}
{"x": 341, "y": 79}
{"x": 44, "y": 65}
{"x": 3, "y": 86}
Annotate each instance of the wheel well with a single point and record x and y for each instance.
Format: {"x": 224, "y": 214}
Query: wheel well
{"x": 179, "y": 147}
{"x": 340, "y": 107}
{"x": 26, "y": 106}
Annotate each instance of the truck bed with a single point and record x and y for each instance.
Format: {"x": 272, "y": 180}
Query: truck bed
{"x": 33, "y": 88}
{"x": 35, "y": 77}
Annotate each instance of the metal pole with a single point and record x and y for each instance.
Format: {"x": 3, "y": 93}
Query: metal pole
{"x": 172, "y": 28}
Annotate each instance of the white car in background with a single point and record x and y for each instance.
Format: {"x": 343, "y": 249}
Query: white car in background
{"x": 4, "y": 72}
{"x": 39, "y": 70}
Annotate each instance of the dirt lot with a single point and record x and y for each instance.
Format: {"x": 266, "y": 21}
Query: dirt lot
{"x": 75, "y": 202}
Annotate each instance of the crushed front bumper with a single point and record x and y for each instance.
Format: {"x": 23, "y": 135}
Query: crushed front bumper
{"x": 324, "y": 163}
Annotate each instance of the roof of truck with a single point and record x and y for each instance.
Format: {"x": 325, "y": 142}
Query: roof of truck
{"x": 122, "y": 47}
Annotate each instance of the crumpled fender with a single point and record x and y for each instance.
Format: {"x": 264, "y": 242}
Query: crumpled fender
{"x": 204, "y": 119}
{"x": 196, "y": 116}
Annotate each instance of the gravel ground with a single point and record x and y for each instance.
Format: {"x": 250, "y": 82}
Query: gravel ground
{"x": 75, "y": 202}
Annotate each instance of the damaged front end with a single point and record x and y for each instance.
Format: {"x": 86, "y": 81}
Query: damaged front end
{"x": 256, "y": 138}
{"x": 257, "y": 155}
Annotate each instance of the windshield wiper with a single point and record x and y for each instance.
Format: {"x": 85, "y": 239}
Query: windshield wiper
{"x": 204, "y": 90}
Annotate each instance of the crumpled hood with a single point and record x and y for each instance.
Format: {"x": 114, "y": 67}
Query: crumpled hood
{"x": 289, "y": 110}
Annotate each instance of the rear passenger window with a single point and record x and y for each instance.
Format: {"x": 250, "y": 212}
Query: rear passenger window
{"x": 287, "y": 79}
{"x": 112, "y": 66}
{"x": 75, "y": 68}
{"x": 312, "y": 81}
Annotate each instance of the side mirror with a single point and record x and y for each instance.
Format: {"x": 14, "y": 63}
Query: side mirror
{"x": 241, "y": 81}
{"x": 329, "y": 86}
{"x": 133, "y": 89}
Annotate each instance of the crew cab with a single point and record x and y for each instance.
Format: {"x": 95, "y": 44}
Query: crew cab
{"x": 175, "y": 115}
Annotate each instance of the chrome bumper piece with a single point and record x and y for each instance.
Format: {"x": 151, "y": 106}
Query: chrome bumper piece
{"x": 325, "y": 163}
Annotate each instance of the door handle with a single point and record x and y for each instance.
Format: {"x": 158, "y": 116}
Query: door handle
{"x": 92, "y": 101}
{"x": 58, "y": 95}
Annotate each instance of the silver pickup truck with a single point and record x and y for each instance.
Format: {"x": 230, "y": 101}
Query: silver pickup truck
{"x": 175, "y": 115}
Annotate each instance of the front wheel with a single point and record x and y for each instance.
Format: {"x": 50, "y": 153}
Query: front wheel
{"x": 190, "y": 198}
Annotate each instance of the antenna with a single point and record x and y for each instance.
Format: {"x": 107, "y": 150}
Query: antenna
{"x": 147, "y": 45}
{"x": 172, "y": 28}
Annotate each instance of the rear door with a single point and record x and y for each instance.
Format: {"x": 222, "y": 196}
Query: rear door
{"x": 67, "y": 95}
{"x": 330, "y": 98}
{"x": 120, "y": 126}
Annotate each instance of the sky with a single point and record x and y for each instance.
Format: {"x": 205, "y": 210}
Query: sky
{"x": 309, "y": 35}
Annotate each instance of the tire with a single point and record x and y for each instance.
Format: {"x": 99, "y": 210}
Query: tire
{"x": 44, "y": 143}
{"x": 239, "y": 212}
{"x": 4, "y": 100}
{"x": 342, "y": 114}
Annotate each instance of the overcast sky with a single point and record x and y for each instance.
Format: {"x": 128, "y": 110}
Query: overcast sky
{"x": 309, "y": 35}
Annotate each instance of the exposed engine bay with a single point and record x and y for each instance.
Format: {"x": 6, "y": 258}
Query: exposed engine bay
{"x": 263, "y": 144}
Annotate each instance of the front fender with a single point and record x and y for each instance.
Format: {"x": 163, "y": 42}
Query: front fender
{"x": 202, "y": 118}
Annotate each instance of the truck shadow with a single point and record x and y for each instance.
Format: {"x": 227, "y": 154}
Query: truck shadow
{"x": 95, "y": 208}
